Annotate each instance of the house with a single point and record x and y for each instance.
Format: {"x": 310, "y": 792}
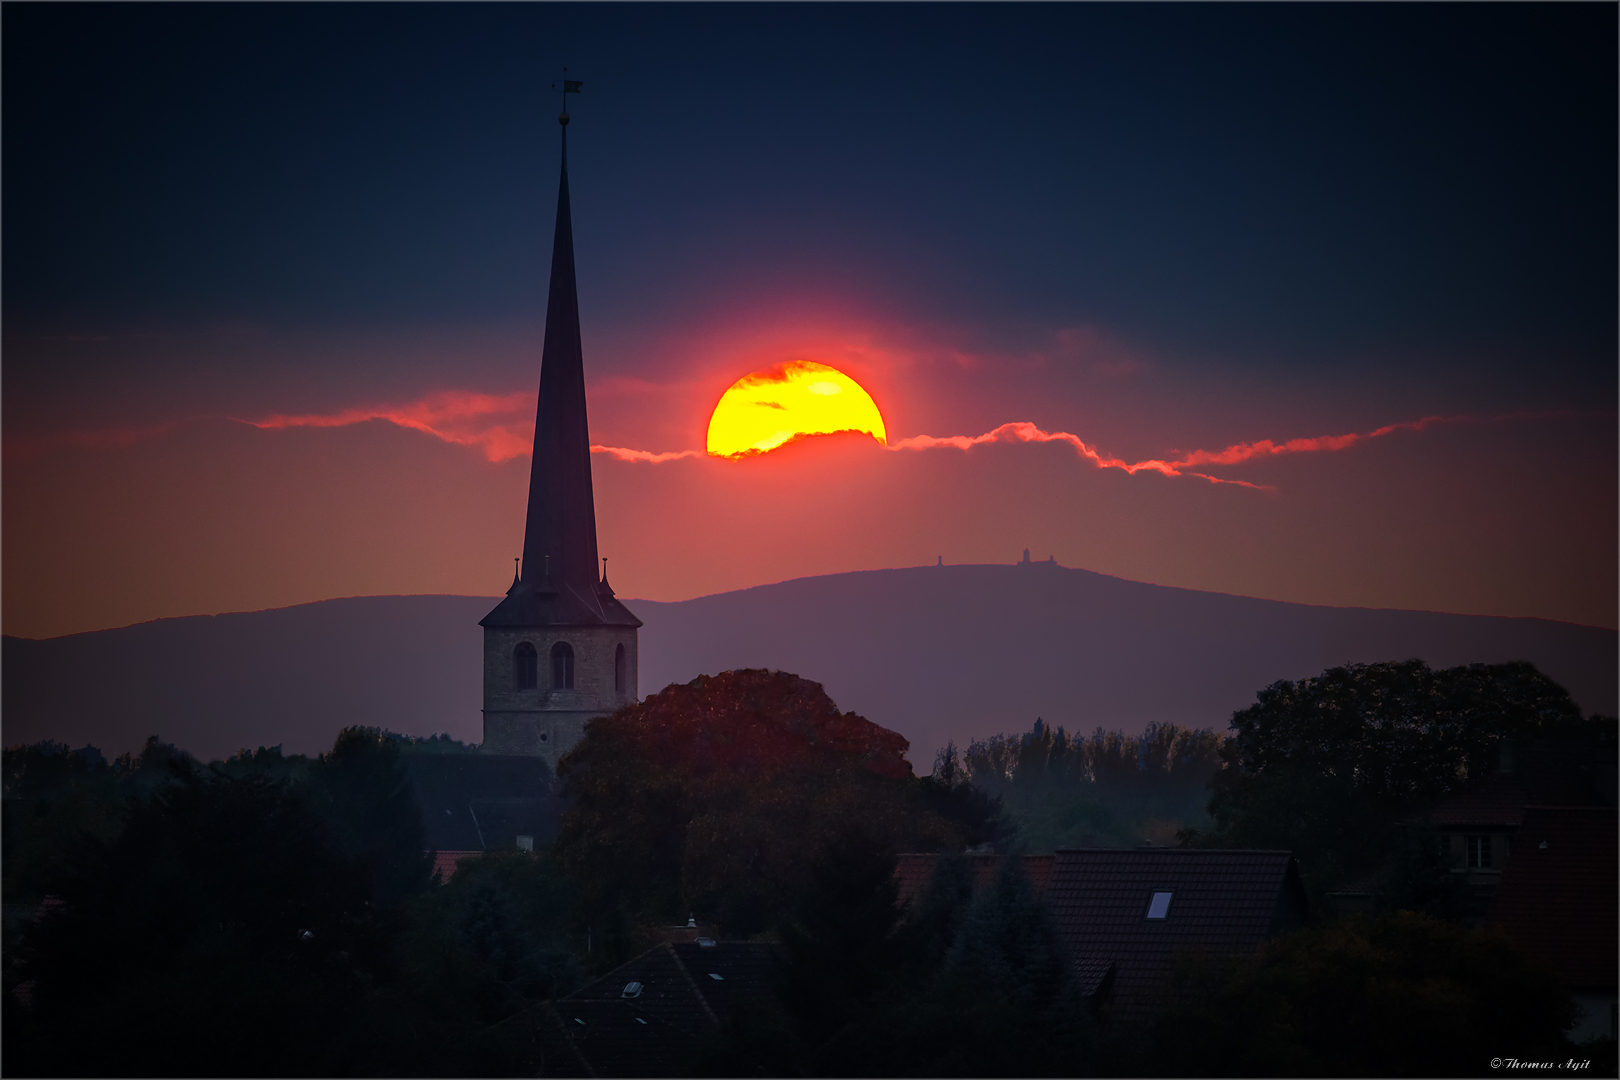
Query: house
{"x": 1558, "y": 900}
{"x": 1124, "y": 914}
{"x": 1478, "y": 827}
{"x": 648, "y": 1017}
{"x": 473, "y": 803}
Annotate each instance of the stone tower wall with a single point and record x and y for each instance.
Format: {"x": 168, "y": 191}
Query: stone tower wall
{"x": 545, "y": 721}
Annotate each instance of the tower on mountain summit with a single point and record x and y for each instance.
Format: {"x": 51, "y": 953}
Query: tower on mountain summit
{"x": 560, "y": 648}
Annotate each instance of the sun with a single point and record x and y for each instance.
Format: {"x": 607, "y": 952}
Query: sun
{"x": 768, "y": 409}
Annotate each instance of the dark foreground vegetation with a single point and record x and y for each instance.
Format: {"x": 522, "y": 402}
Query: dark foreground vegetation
{"x": 279, "y": 916}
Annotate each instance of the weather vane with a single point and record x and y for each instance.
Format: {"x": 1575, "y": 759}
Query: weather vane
{"x": 569, "y": 86}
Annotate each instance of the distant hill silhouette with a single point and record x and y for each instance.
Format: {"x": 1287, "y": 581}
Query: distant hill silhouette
{"x": 935, "y": 653}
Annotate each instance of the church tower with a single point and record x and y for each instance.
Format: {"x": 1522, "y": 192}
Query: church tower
{"x": 560, "y": 649}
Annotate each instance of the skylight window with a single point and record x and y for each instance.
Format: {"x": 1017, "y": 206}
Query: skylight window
{"x": 1159, "y": 906}
{"x": 717, "y": 978}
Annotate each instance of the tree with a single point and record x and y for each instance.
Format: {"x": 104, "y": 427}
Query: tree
{"x": 1400, "y": 995}
{"x": 1108, "y": 788}
{"x": 463, "y": 958}
{"x": 217, "y": 921}
{"x": 841, "y": 947}
{"x": 54, "y": 796}
{"x": 1006, "y": 1001}
{"x": 1329, "y": 766}
{"x": 704, "y": 799}
{"x": 364, "y": 792}
{"x": 269, "y": 915}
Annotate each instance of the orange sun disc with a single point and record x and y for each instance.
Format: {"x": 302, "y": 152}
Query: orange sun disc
{"x": 768, "y": 409}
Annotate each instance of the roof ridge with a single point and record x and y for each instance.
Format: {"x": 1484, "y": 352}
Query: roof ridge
{"x": 612, "y": 971}
{"x": 691, "y": 982}
{"x": 562, "y": 1029}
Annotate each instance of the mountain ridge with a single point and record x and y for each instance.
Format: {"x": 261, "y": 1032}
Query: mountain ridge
{"x": 934, "y": 652}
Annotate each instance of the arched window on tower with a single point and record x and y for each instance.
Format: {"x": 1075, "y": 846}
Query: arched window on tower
{"x": 618, "y": 669}
{"x": 562, "y": 666}
{"x": 525, "y": 667}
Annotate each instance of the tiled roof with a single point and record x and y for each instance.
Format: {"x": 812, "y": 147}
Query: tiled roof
{"x": 607, "y": 1039}
{"x": 1544, "y": 774}
{"x": 1497, "y": 803}
{"x": 1223, "y": 902}
{"x": 475, "y": 801}
{"x": 913, "y": 872}
{"x": 1094, "y": 973}
{"x": 1558, "y": 898}
{"x": 446, "y": 862}
{"x": 678, "y": 984}
{"x": 747, "y": 972}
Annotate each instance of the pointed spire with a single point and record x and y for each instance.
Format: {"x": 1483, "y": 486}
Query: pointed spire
{"x": 560, "y": 533}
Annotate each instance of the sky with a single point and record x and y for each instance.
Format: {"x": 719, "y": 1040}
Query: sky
{"x": 274, "y": 283}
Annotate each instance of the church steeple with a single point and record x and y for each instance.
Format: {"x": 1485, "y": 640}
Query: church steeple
{"x": 557, "y": 583}
{"x": 559, "y": 649}
{"x": 560, "y": 531}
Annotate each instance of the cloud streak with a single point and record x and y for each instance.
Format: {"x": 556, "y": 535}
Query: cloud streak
{"x": 499, "y": 426}
{"x": 1024, "y": 431}
{"x": 458, "y": 417}
{"x": 1183, "y": 464}
{"x": 648, "y": 456}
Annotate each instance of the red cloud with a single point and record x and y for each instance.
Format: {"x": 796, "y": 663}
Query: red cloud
{"x": 456, "y": 416}
{"x": 1180, "y": 466}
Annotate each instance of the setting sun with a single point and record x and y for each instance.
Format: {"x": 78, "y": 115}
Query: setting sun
{"x": 768, "y": 409}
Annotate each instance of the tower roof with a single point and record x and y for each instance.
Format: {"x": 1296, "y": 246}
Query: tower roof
{"x": 558, "y": 584}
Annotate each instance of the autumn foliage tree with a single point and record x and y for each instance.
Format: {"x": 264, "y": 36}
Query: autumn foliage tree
{"x": 708, "y": 798}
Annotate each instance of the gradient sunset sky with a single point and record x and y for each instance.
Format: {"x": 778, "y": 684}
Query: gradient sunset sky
{"x": 274, "y": 286}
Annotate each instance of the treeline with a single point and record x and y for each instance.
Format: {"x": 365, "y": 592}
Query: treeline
{"x": 1108, "y": 789}
{"x": 265, "y": 915}
{"x": 276, "y": 915}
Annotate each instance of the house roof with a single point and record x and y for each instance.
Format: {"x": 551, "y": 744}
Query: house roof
{"x": 1558, "y": 898}
{"x": 607, "y": 1039}
{"x": 678, "y": 983}
{"x": 445, "y": 863}
{"x": 568, "y": 604}
{"x": 1094, "y": 974}
{"x": 1544, "y": 774}
{"x": 471, "y": 802}
{"x": 1222, "y": 903}
{"x": 914, "y": 871}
